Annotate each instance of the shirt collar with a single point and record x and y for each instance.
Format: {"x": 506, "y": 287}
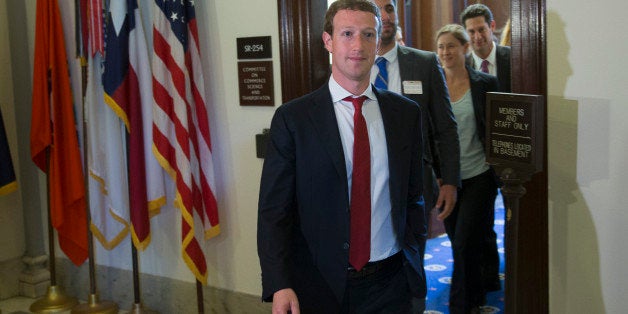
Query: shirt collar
{"x": 338, "y": 93}
{"x": 391, "y": 55}
{"x": 490, "y": 58}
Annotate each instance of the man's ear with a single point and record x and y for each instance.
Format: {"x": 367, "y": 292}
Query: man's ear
{"x": 327, "y": 41}
{"x": 493, "y": 24}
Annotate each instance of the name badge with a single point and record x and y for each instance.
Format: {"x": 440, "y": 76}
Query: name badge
{"x": 412, "y": 87}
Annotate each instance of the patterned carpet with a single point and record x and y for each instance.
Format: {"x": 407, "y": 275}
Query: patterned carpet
{"x": 439, "y": 266}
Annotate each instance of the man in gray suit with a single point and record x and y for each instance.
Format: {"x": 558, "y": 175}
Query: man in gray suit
{"x": 478, "y": 20}
{"x": 417, "y": 75}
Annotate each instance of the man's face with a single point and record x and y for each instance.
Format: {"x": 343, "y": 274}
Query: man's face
{"x": 389, "y": 20}
{"x": 353, "y": 46}
{"x": 481, "y": 34}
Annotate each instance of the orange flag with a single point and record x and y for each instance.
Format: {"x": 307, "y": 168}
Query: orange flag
{"x": 53, "y": 130}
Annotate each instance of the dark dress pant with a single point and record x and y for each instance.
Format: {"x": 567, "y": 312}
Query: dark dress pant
{"x": 383, "y": 292}
{"x": 468, "y": 228}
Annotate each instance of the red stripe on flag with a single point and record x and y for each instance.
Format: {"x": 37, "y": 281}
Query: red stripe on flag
{"x": 96, "y": 26}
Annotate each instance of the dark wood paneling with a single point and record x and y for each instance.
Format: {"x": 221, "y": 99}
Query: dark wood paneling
{"x": 527, "y": 274}
{"x": 304, "y": 59}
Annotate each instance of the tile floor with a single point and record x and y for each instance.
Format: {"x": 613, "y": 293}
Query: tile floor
{"x": 21, "y": 305}
{"x": 17, "y": 305}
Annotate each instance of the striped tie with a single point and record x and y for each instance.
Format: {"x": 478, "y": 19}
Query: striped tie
{"x": 484, "y": 66}
{"x": 382, "y": 77}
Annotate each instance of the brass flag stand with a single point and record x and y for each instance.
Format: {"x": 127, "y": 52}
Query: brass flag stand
{"x": 55, "y": 300}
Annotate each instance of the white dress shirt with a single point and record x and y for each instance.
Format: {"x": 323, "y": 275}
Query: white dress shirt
{"x": 392, "y": 67}
{"x": 492, "y": 65}
{"x": 384, "y": 242}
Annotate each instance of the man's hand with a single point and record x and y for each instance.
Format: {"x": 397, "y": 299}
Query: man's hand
{"x": 447, "y": 197}
{"x": 285, "y": 301}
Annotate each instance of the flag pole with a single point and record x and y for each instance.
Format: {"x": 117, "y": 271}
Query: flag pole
{"x": 55, "y": 300}
{"x": 93, "y": 305}
{"x": 199, "y": 297}
{"x": 138, "y": 308}
{"x": 137, "y": 305}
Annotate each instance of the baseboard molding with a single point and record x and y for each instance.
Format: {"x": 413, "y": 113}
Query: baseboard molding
{"x": 10, "y": 271}
{"x": 165, "y": 295}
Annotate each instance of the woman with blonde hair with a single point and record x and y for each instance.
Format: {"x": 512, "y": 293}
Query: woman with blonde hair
{"x": 471, "y": 221}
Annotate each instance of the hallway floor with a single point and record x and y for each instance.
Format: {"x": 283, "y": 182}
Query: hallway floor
{"x": 21, "y": 305}
{"x": 439, "y": 267}
{"x": 17, "y": 305}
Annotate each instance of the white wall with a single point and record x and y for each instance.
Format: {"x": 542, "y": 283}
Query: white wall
{"x": 11, "y": 234}
{"x": 588, "y": 151}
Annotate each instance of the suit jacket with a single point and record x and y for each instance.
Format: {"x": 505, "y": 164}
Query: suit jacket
{"x": 481, "y": 83}
{"x": 502, "y": 60}
{"x": 440, "y": 129}
{"x": 303, "y": 218}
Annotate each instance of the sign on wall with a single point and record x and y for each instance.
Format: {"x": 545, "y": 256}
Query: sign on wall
{"x": 255, "y": 78}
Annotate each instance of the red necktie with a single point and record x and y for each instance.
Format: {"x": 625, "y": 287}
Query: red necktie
{"x": 360, "y": 228}
{"x": 484, "y": 66}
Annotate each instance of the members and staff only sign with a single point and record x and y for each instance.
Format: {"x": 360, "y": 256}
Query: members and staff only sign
{"x": 514, "y": 133}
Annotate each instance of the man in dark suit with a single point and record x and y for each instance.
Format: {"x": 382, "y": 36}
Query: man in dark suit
{"x": 417, "y": 75}
{"x": 478, "y": 20}
{"x": 310, "y": 254}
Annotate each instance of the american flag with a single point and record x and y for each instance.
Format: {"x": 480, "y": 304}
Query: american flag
{"x": 180, "y": 125}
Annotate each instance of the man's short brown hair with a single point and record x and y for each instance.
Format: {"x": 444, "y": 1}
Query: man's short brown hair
{"x": 355, "y": 5}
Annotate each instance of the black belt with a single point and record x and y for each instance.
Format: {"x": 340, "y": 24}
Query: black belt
{"x": 373, "y": 267}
